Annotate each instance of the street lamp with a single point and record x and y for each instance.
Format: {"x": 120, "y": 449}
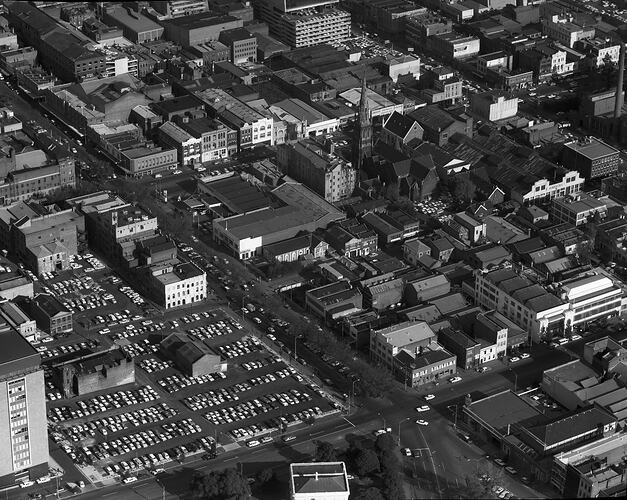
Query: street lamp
{"x": 399, "y": 429}
{"x": 352, "y": 396}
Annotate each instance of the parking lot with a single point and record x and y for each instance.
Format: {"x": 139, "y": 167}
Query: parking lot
{"x": 125, "y": 432}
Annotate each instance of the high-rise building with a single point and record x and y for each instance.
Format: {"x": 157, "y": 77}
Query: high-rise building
{"x": 23, "y": 424}
{"x": 363, "y": 130}
{"x": 303, "y": 23}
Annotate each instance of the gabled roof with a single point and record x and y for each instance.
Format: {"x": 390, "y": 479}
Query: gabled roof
{"x": 399, "y": 124}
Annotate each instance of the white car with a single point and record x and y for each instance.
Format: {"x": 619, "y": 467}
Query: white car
{"x": 26, "y": 484}
{"x": 129, "y": 479}
{"x": 454, "y": 380}
{"x": 576, "y": 337}
{"x": 514, "y": 359}
{"x": 422, "y": 408}
{"x": 422, "y": 422}
{"x": 406, "y": 452}
{"x": 525, "y": 355}
{"x": 429, "y": 397}
{"x": 253, "y": 443}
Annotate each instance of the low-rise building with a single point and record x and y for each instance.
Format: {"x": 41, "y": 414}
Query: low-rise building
{"x": 334, "y": 300}
{"x": 399, "y": 130}
{"x": 187, "y": 146}
{"x": 50, "y": 315}
{"x": 297, "y": 209}
{"x": 175, "y": 284}
{"x": 431, "y": 363}
{"x": 351, "y": 238}
{"x": 135, "y": 156}
{"x": 13, "y": 282}
{"x": 593, "y": 470}
{"x": 319, "y": 481}
{"x": 491, "y": 107}
{"x": 192, "y": 357}
{"x": 466, "y": 349}
{"x": 409, "y": 336}
{"x": 96, "y": 372}
{"x": 578, "y": 209}
{"x": 392, "y": 226}
{"x": 466, "y": 228}
{"x": 17, "y": 319}
{"x": 453, "y": 46}
{"x": 414, "y": 249}
{"x": 217, "y": 140}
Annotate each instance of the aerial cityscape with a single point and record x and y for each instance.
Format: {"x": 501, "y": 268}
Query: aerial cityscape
{"x": 313, "y": 249}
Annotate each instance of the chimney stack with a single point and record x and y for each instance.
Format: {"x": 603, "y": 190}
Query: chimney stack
{"x": 618, "y": 106}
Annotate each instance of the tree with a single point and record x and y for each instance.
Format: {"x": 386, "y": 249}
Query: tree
{"x": 371, "y": 494}
{"x": 464, "y": 188}
{"x": 367, "y": 462}
{"x": 385, "y": 442}
{"x": 583, "y": 251}
{"x": 265, "y": 475}
{"x": 325, "y": 452}
{"x": 389, "y": 461}
{"x": 393, "y": 486}
{"x": 225, "y": 484}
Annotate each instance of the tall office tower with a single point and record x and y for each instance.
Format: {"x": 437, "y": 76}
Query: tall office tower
{"x": 363, "y": 131}
{"x": 23, "y": 423}
{"x": 303, "y": 23}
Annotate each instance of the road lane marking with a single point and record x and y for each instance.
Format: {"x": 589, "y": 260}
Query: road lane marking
{"x": 349, "y": 422}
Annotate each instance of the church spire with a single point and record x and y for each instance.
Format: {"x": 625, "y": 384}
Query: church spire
{"x": 363, "y": 128}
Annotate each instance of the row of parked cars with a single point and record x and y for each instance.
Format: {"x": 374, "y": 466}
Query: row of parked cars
{"x": 176, "y": 382}
{"x": 154, "y": 461}
{"x": 135, "y": 297}
{"x": 140, "y": 348}
{"x": 140, "y": 440}
{"x": 276, "y": 423}
{"x": 103, "y": 402}
{"x": 240, "y": 347}
{"x": 136, "y": 418}
{"x": 221, "y": 327}
{"x": 62, "y": 350}
{"x": 256, "y": 407}
{"x": 152, "y": 365}
{"x": 219, "y": 396}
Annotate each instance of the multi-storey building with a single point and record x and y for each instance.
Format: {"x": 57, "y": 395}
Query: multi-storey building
{"x": 59, "y": 50}
{"x": 590, "y": 298}
{"x": 561, "y": 28}
{"x": 253, "y": 127}
{"x": 330, "y": 176}
{"x": 352, "y": 238}
{"x": 178, "y": 8}
{"x": 387, "y": 342}
{"x": 453, "y": 46}
{"x": 494, "y": 61}
{"x": 188, "y": 147}
{"x": 593, "y": 470}
{"x": 492, "y": 107}
{"x": 113, "y": 225}
{"x": 592, "y": 157}
{"x": 24, "y": 427}
{"x": 304, "y": 23}
{"x": 200, "y": 28}
{"x": 334, "y": 300}
{"x": 50, "y": 315}
{"x": 214, "y": 136}
{"x": 136, "y": 27}
{"x": 134, "y": 155}
{"x": 177, "y": 284}
{"x": 421, "y": 26}
{"x": 522, "y": 301}
{"x": 242, "y": 44}
{"x": 600, "y": 51}
{"x": 577, "y": 209}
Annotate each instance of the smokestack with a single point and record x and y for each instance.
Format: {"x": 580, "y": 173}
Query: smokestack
{"x": 618, "y": 106}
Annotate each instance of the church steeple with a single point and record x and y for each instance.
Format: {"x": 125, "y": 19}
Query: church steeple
{"x": 363, "y": 129}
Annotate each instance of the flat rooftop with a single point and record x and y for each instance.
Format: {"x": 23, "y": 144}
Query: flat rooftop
{"x": 406, "y": 333}
{"x": 16, "y": 352}
{"x": 592, "y": 148}
{"x": 503, "y": 409}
